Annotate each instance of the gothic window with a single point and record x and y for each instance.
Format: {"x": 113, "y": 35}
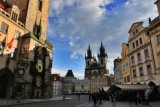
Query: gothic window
{"x": 101, "y": 61}
{"x": 4, "y": 28}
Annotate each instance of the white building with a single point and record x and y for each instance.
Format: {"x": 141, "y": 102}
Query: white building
{"x": 82, "y": 86}
{"x": 57, "y": 84}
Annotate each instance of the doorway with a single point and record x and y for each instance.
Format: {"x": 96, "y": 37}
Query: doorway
{"x": 3, "y": 85}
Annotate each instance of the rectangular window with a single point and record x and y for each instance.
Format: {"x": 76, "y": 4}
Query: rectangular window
{"x": 127, "y": 65}
{"x": 146, "y": 53}
{"x": 128, "y": 78}
{"x": 133, "y": 45}
{"x": 158, "y": 39}
{"x": 40, "y": 5}
{"x": 4, "y": 28}
{"x": 139, "y": 57}
{"x": 14, "y": 16}
{"x": 136, "y": 30}
{"x": 140, "y": 41}
{"x": 149, "y": 69}
{"x": 124, "y": 79}
{"x": 134, "y": 73}
{"x": 132, "y": 59}
{"x": 133, "y": 33}
{"x": 141, "y": 71}
{"x": 137, "y": 43}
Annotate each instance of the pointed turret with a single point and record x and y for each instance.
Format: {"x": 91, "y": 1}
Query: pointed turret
{"x": 89, "y": 53}
{"x": 102, "y": 51}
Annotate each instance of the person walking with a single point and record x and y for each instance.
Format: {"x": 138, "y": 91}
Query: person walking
{"x": 146, "y": 98}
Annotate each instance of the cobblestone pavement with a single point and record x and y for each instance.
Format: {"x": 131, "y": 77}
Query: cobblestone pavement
{"x": 4, "y": 102}
{"x": 71, "y": 101}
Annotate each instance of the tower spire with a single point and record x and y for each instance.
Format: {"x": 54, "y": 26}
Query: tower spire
{"x": 89, "y": 52}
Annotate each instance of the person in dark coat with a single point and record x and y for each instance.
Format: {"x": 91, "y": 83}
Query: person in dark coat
{"x": 94, "y": 97}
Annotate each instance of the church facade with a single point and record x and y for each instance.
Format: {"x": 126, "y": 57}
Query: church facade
{"x": 96, "y": 70}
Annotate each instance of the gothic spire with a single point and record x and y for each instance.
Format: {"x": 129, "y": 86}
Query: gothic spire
{"x": 102, "y": 51}
{"x": 89, "y": 52}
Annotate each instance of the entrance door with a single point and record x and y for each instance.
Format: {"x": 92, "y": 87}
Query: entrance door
{"x": 3, "y": 85}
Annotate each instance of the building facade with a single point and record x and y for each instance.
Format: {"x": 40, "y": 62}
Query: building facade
{"x": 140, "y": 54}
{"x": 118, "y": 71}
{"x": 31, "y": 74}
{"x": 56, "y": 84}
{"x": 82, "y": 86}
{"x": 154, "y": 34}
{"x": 126, "y": 74}
{"x": 68, "y": 83}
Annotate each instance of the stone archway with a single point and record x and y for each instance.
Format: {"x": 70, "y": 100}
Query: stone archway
{"x": 5, "y": 83}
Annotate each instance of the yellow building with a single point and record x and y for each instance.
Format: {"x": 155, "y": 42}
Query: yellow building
{"x": 154, "y": 34}
{"x": 23, "y": 31}
{"x": 126, "y": 74}
{"x": 10, "y": 31}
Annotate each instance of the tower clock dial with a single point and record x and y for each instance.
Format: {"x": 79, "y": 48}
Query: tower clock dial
{"x": 38, "y": 81}
{"x": 39, "y": 66}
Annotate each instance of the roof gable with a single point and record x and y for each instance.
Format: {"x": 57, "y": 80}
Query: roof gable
{"x": 134, "y": 25}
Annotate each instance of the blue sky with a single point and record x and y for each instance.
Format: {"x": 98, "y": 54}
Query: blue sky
{"x": 73, "y": 24}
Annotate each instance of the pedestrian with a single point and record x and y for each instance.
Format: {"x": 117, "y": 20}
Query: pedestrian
{"x": 78, "y": 97}
{"x": 147, "y": 98}
{"x": 94, "y": 98}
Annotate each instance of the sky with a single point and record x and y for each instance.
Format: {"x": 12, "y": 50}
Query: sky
{"x": 74, "y": 24}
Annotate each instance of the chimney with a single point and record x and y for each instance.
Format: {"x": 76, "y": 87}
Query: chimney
{"x": 158, "y": 6}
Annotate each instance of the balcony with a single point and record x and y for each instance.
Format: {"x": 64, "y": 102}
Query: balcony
{"x": 133, "y": 64}
{"x": 4, "y": 13}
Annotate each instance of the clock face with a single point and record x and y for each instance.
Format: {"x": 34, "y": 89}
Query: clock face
{"x": 39, "y": 66}
{"x": 38, "y": 81}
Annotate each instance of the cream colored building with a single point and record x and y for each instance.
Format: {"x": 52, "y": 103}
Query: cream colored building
{"x": 97, "y": 83}
{"x": 82, "y": 86}
{"x": 154, "y": 34}
{"x": 126, "y": 74}
{"x": 140, "y": 54}
{"x": 11, "y": 29}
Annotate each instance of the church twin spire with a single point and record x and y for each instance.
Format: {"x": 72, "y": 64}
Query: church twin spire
{"x": 101, "y": 50}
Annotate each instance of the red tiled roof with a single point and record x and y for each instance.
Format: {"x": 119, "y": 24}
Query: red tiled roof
{"x": 55, "y": 77}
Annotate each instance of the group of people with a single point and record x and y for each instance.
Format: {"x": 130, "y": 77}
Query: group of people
{"x": 135, "y": 97}
{"x": 97, "y": 97}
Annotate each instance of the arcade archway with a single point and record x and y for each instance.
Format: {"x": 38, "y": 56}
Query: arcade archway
{"x": 5, "y": 83}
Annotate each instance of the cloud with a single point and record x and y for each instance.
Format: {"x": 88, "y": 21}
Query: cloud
{"x": 89, "y": 21}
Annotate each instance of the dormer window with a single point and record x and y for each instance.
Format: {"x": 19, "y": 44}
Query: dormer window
{"x": 14, "y": 16}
